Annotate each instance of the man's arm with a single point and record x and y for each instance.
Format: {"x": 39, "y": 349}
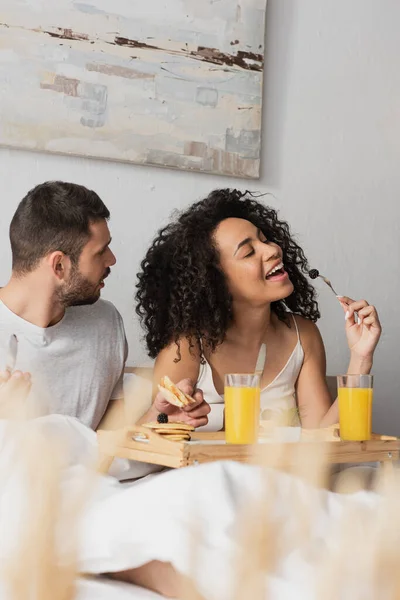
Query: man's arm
{"x": 114, "y": 416}
{"x": 14, "y": 391}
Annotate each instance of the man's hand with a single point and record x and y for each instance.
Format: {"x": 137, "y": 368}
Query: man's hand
{"x": 14, "y": 390}
{"x": 194, "y": 414}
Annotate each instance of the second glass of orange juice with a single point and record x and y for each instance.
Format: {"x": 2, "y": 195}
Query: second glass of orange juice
{"x": 242, "y": 408}
{"x": 355, "y": 393}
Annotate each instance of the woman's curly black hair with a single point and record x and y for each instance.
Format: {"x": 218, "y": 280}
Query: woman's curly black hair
{"x": 181, "y": 289}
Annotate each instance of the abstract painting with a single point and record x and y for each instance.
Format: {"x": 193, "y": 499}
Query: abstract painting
{"x": 171, "y": 83}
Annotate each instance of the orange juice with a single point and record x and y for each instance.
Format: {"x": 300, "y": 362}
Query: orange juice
{"x": 355, "y": 413}
{"x": 242, "y": 414}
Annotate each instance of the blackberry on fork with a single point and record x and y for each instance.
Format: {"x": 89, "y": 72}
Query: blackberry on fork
{"x": 314, "y": 273}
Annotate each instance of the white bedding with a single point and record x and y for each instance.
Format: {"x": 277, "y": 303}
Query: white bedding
{"x": 101, "y": 589}
{"x": 127, "y": 526}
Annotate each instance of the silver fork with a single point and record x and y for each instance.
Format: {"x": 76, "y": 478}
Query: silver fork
{"x": 328, "y": 283}
{"x": 314, "y": 273}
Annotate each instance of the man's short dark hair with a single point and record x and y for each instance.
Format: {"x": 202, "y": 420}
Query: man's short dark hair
{"x": 53, "y": 216}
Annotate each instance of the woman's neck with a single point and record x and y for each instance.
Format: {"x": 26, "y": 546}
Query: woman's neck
{"x": 250, "y": 324}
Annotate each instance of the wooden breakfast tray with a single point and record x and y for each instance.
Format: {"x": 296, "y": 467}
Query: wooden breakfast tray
{"x": 210, "y": 447}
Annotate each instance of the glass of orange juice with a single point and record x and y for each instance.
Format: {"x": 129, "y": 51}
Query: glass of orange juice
{"x": 242, "y": 408}
{"x": 355, "y": 393}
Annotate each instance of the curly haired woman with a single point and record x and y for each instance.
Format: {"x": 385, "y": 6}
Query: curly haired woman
{"x": 225, "y": 277}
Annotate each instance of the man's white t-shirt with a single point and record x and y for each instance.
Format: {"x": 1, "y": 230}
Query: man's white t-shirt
{"x": 76, "y": 365}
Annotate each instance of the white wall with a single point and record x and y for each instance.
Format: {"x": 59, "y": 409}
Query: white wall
{"x": 331, "y": 159}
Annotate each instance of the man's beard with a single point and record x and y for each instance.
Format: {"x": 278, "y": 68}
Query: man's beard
{"x": 79, "y": 291}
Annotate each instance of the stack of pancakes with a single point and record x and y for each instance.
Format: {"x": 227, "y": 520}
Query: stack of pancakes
{"x": 175, "y": 432}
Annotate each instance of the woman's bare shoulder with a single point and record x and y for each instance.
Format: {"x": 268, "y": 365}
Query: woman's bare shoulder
{"x": 310, "y": 336}
{"x": 179, "y": 360}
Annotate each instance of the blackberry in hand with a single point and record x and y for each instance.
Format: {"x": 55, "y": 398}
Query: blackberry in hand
{"x": 162, "y": 418}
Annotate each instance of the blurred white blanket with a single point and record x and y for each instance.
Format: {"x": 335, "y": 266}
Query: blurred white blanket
{"x": 160, "y": 517}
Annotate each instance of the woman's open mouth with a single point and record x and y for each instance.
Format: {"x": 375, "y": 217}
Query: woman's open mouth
{"x": 277, "y": 273}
